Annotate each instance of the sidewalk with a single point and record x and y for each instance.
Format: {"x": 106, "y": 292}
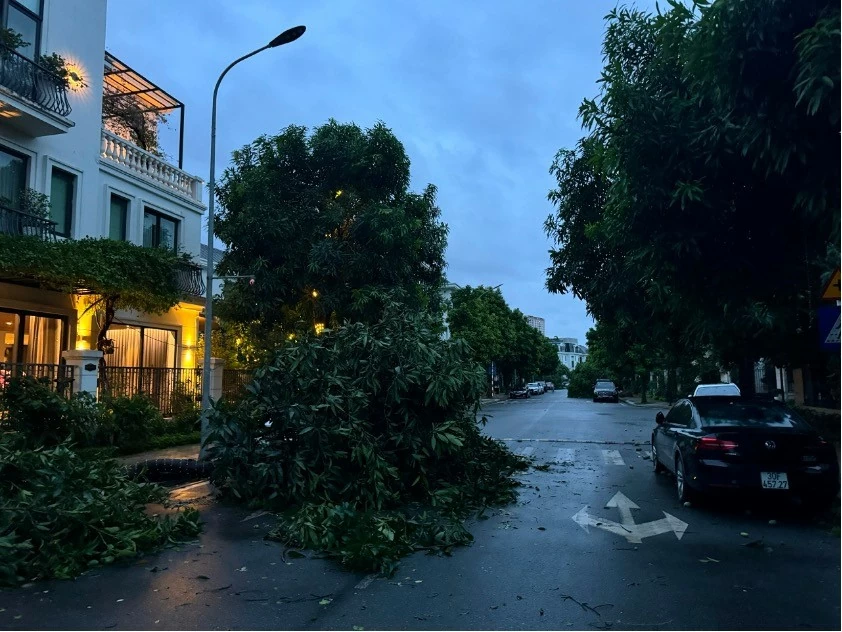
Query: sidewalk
{"x": 496, "y": 398}
{"x": 635, "y": 401}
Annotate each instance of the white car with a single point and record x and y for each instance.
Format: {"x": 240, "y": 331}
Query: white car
{"x": 535, "y": 388}
{"x": 707, "y": 390}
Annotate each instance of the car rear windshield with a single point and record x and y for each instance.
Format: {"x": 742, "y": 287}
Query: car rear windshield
{"x": 605, "y": 384}
{"x": 717, "y": 411}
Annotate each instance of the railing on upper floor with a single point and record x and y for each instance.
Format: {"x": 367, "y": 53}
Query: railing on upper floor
{"x": 149, "y": 166}
{"x": 20, "y": 223}
{"x": 33, "y": 82}
{"x": 188, "y": 278}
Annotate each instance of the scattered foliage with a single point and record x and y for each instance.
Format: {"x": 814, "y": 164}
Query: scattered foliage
{"x": 369, "y": 434}
{"x": 61, "y": 514}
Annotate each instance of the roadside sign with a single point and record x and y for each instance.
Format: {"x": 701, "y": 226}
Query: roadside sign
{"x": 832, "y": 289}
{"x": 829, "y": 328}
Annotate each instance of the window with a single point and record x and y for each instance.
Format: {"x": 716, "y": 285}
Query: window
{"x": 24, "y": 17}
{"x": 680, "y": 415}
{"x": 159, "y": 231}
{"x": 146, "y": 347}
{"x": 62, "y": 189}
{"x": 12, "y": 177}
{"x": 118, "y": 218}
{"x": 31, "y": 338}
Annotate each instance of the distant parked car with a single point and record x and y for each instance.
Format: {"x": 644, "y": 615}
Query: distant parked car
{"x": 736, "y": 443}
{"x": 550, "y": 386}
{"x": 535, "y": 388}
{"x": 521, "y": 392}
{"x": 706, "y": 390}
{"x": 543, "y": 386}
{"x": 605, "y": 389}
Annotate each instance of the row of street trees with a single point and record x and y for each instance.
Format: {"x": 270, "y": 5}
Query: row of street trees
{"x": 499, "y": 334}
{"x": 699, "y": 216}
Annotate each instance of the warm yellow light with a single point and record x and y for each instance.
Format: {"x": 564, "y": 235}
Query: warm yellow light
{"x": 338, "y": 193}
{"x": 315, "y": 294}
{"x": 82, "y": 345}
{"x": 291, "y": 337}
{"x": 239, "y": 341}
{"x": 10, "y": 339}
{"x": 75, "y": 75}
{"x": 320, "y": 327}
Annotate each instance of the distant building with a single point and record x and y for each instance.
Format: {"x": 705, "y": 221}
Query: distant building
{"x": 570, "y": 353}
{"x": 537, "y": 322}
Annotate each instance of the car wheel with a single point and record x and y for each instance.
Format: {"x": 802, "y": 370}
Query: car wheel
{"x": 594, "y": 399}
{"x": 656, "y": 463}
{"x": 617, "y": 400}
{"x": 684, "y": 491}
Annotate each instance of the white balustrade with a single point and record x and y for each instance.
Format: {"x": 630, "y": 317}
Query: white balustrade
{"x": 150, "y": 166}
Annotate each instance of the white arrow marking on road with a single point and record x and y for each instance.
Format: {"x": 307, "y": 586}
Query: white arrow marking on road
{"x": 612, "y": 457}
{"x": 632, "y": 532}
{"x": 527, "y": 451}
{"x": 625, "y": 505}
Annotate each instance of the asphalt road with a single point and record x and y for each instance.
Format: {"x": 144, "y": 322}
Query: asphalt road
{"x": 542, "y": 563}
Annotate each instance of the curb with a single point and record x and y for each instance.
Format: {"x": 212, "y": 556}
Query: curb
{"x": 169, "y": 470}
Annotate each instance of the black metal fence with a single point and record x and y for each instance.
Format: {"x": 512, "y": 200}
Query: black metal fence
{"x": 32, "y": 81}
{"x": 20, "y": 223}
{"x": 166, "y": 387}
{"x": 234, "y": 382}
{"x": 59, "y": 377}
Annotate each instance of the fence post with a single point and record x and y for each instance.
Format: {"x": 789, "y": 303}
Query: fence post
{"x": 86, "y": 369}
{"x": 217, "y": 369}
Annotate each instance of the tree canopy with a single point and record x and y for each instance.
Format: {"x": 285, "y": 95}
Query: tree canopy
{"x": 700, "y": 213}
{"x": 496, "y": 332}
{"x": 327, "y": 224}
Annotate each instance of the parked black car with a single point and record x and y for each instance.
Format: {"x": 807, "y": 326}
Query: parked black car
{"x": 605, "y": 389}
{"x": 521, "y": 392}
{"x": 734, "y": 443}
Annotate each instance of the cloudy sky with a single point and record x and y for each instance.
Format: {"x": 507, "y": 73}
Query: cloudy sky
{"x": 481, "y": 94}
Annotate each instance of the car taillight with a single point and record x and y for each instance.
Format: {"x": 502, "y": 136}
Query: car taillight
{"x": 712, "y": 442}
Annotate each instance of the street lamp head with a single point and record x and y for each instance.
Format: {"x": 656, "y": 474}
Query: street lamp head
{"x": 290, "y": 35}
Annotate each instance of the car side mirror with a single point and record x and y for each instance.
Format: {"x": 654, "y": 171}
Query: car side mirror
{"x": 659, "y": 418}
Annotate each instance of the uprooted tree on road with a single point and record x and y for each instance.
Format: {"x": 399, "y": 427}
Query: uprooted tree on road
{"x": 367, "y": 437}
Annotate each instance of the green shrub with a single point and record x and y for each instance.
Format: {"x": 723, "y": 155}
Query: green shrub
{"x": 45, "y": 418}
{"x": 355, "y": 425}
{"x": 61, "y": 514}
{"x": 130, "y": 421}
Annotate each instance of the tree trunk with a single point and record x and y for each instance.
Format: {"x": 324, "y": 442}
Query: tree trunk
{"x": 746, "y": 379}
{"x": 644, "y": 388}
{"x": 102, "y": 337}
{"x": 672, "y": 386}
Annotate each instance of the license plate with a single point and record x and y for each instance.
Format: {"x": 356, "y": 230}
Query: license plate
{"x": 774, "y": 480}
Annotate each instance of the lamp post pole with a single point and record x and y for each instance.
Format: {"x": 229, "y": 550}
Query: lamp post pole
{"x": 290, "y": 35}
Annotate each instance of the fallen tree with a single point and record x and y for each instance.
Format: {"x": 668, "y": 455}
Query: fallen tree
{"x": 366, "y": 440}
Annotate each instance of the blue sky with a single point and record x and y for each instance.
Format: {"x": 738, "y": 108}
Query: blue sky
{"x": 482, "y": 98}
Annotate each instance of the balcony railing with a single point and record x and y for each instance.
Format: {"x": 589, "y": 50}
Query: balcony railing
{"x": 33, "y": 82}
{"x": 20, "y": 223}
{"x": 188, "y": 278}
{"x": 146, "y": 165}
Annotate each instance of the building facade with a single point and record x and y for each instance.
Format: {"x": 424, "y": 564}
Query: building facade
{"x": 537, "y": 322}
{"x": 570, "y": 352}
{"x": 61, "y": 142}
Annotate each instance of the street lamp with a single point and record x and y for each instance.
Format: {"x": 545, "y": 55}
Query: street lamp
{"x": 290, "y": 35}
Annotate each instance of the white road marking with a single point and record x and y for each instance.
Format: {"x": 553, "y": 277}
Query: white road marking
{"x": 627, "y": 528}
{"x": 365, "y": 581}
{"x": 565, "y": 456}
{"x": 527, "y": 451}
{"x": 612, "y": 457}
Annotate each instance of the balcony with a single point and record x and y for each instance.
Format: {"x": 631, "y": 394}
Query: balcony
{"x": 32, "y": 99}
{"x": 130, "y": 158}
{"x": 19, "y": 223}
{"x": 188, "y": 279}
